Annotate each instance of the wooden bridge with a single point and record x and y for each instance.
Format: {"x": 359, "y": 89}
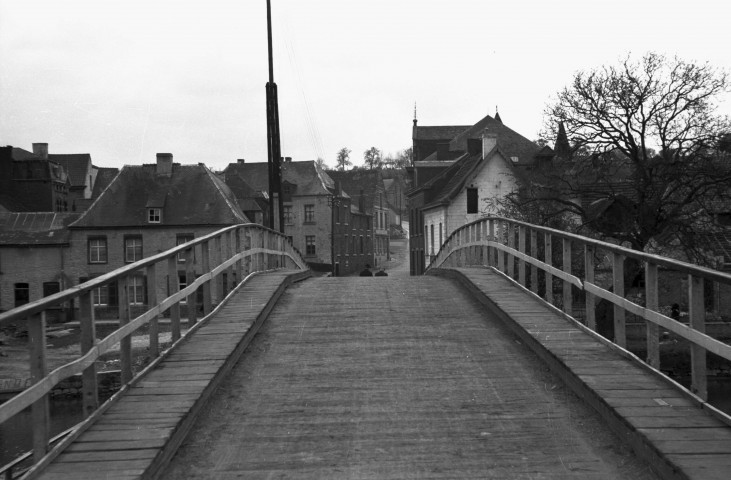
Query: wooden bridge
{"x": 477, "y": 370}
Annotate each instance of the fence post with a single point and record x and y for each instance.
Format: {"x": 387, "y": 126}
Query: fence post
{"x": 151, "y": 275}
{"x": 206, "y": 268}
{"x": 217, "y": 283}
{"x": 500, "y": 232}
{"x": 534, "y": 254}
{"x": 568, "y": 299}
{"x": 652, "y": 303}
{"x": 491, "y": 252}
{"x": 173, "y": 288}
{"x": 620, "y": 335}
{"x": 511, "y": 244}
{"x": 247, "y": 246}
{"x": 235, "y": 251}
{"x": 521, "y": 262}
{"x": 697, "y": 314}
{"x": 589, "y": 278}
{"x": 89, "y": 389}
{"x": 548, "y": 260}
{"x": 125, "y": 344}
{"x": 39, "y": 410}
{"x": 189, "y": 279}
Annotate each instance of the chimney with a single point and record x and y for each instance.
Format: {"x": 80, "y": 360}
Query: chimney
{"x": 489, "y": 140}
{"x": 240, "y": 161}
{"x": 442, "y": 150}
{"x": 41, "y": 149}
{"x": 164, "y": 164}
{"x": 287, "y": 159}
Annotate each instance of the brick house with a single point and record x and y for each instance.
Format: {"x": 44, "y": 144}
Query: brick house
{"x": 452, "y": 181}
{"x": 307, "y": 193}
{"x": 367, "y": 191}
{"x": 31, "y": 182}
{"x": 34, "y": 252}
{"x": 145, "y": 210}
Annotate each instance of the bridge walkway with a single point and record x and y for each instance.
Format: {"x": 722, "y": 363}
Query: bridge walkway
{"x": 395, "y": 379}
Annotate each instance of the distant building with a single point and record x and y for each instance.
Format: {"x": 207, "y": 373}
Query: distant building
{"x": 367, "y": 192}
{"x": 31, "y": 182}
{"x": 34, "y": 254}
{"x": 145, "y": 210}
{"x": 451, "y": 178}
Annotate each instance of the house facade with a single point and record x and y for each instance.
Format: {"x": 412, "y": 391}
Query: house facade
{"x": 145, "y": 210}
{"x": 31, "y": 182}
{"x": 452, "y": 183}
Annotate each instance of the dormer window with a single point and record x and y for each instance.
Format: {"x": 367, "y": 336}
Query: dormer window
{"x": 154, "y": 215}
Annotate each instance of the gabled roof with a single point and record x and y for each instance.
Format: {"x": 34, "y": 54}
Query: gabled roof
{"x": 35, "y": 228}
{"x": 192, "y": 195}
{"x": 104, "y": 177}
{"x": 77, "y": 165}
{"x": 511, "y": 143}
{"x": 310, "y": 180}
{"x": 441, "y": 132}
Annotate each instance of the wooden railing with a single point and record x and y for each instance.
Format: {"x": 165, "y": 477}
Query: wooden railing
{"x": 232, "y": 253}
{"x": 528, "y": 254}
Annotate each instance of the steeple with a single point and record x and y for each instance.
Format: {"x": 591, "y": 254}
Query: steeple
{"x": 414, "y": 113}
{"x": 497, "y": 115}
{"x": 562, "y": 149}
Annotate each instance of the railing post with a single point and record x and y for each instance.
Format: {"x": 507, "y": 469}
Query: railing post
{"x": 511, "y": 244}
{"x": 89, "y": 389}
{"x": 235, "y": 251}
{"x": 620, "y": 335}
{"x": 125, "y": 344}
{"x": 189, "y": 279}
{"x": 568, "y": 298}
{"x": 151, "y": 275}
{"x": 697, "y": 314}
{"x": 534, "y": 254}
{"x": 500, "y": 231}
{"x": 39, "y": 411}
{"x": 589, "y": 278}
{"x": 521, "y": 262}
{"x": 228, "y": 253}
{"x": 205, "y": 269}
{"x": 173, "y": 288}
{"x": 548, "y": 260}
{"x": 247, "y": 246}
{"x": 217, "y": 283}
{"x": 492, "y": 252}
{"x": 652, "y": 303}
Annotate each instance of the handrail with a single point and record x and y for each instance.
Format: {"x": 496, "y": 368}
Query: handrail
{"x": 234, "y": 251}
{"x": 491, "y": 242}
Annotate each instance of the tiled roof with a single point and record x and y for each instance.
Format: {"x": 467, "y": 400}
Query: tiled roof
{"x": 308, "y": 178}
{"x": 448, "y": 183}
{"x": 77, "y": 166}
{"x": 442, "y": 132}
{"x": 192, "y": 195}
{"x": 36, "y": 228}
{"x": 104, "y": 177}
{"x": 510, "y": 142}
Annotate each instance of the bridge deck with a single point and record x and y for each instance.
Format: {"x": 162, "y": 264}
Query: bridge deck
{"x": 145, "y": 426}
{"x": 395, "y": 378}
{"x": 680, "y": 437}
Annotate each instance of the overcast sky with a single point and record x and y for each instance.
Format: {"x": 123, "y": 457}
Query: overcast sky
{"x": 122, "y": 80}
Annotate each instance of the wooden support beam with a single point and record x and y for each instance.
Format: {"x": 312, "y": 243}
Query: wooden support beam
{"x": 521, "y": 248}
{"x": 548, "y": 260}
{"x": 40, "y": 416}
{"x": 699, "y": 382}
{"x": 651, "y": 303}
{"x": 189, "y": 279}
{"x": 205, "y": 268}
{"x": 154, "y": 328}
{"x": 125, "y": 345}
{"x": 173, "y": 288}
{"x": 534, "y": 268}
{"x": 620, "y": 334}
{"x": 89, "y": 388}
{"x": 568, "y": 298}
{"x": 589, "y": 277}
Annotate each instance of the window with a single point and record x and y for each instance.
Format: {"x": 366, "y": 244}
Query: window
{"x": 22, "y": 294}
{"x": 100, "y": 296}
{"x": 154, "y": 215}
{"x": 132, "y": 249}
{"x": 309, "y": 214}
{"x": 310, "y": 245}
{"x": 97, "y": 247}
{"x": 441, "y": 241}
{"x": 432, "y": 238}
{"x": 471, "y": 200}
{"x": 361, "y": 244}
{"x": 288, "y": 218}
{"x": 136, "y": 290}
{"x": 181, "y": 239}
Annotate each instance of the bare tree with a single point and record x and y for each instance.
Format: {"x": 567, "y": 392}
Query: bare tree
{"x": 640, "y": 158}
{"x": 320, "y": 162}
{"x": 372, "y": 158}
{"x": 343, "y": 159}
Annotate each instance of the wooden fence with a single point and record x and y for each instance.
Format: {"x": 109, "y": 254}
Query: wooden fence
{"x": 528, "y": 254}
{"x": 232, "y": 253}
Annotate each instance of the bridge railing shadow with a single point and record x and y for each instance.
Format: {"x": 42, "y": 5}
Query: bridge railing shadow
{"x": 213, "y": 266}
{"x": 608, "y": 288}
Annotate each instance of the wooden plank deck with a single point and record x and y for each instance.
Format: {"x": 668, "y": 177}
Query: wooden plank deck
{"x": 408, "y": 378}
{"x": 138, "y": 434}
{"x": 679, "y": 437}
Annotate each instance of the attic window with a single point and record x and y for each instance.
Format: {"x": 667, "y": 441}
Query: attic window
{"x": 514, "y": 159}
{"x": 154, "y": 215}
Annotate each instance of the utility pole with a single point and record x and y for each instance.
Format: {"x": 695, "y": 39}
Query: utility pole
{"x": 273, "y": 146}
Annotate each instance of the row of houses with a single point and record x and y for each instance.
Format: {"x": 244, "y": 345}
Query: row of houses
{"x": 72, "y": 234}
